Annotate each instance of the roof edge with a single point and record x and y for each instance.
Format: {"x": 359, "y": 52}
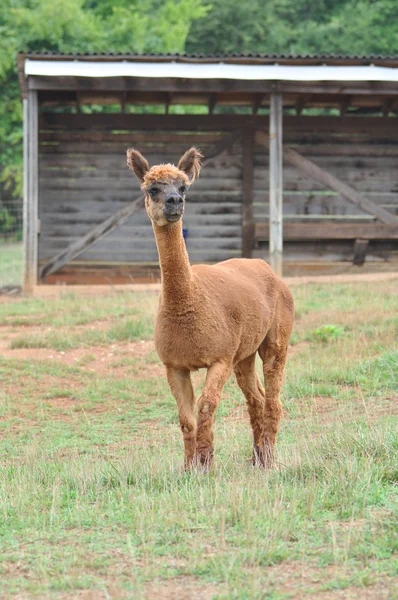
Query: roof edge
{"x": 234, "y": 58}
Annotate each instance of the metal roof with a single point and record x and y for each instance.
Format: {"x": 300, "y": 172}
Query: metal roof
{"x": 248, "y": 57}
{"x": 205, "y": 70}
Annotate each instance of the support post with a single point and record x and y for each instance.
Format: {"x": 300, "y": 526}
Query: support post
{"x": 247, "y": 209}
{"x": 31, "y": 190}
{"x": 275, "y": 184}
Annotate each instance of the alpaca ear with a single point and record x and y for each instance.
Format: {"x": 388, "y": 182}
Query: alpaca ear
{"x": 137, "y": 163}
{"x": 190, "y": 163}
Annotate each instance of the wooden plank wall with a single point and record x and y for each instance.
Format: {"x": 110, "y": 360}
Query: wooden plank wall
{"x": 84, "y": 179}
{"x": 367, "y": 162}
{"x": 369, "y": 165}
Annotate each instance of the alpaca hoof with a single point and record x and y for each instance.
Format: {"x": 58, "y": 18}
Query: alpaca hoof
{"x": 205, "y": 460}
{"x": 263, "y": 456}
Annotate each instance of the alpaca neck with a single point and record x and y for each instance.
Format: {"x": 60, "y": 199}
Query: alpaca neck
{"x": 174, "y": 263}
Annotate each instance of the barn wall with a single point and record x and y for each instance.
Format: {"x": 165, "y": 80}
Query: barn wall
{"x": 368, "y": 164}
{"x": 84, "y": 179}
{"x": 366, "y": 159}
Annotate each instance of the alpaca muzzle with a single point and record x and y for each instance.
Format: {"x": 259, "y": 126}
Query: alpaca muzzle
{"x": 173, "y": 208}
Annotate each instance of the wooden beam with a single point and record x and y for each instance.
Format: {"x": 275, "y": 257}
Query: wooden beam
{"x": 27, "y": 285}
{"x": 376, "y": 127}
{"x": 224, "y": 144}
{"x": 275, "y": 183}
{"x": 168, "y": 84}
{"x": 301, "y": 102}
{"x": 257, "y": 103}
{"x": 388, "y": 106}
{"x": 330, "y": 231}
{"x": 91, "y": 238}
{"x": 247, "y": 209}
{"x": 360, "y": 249}
{"x": 330, "y": 181}
{"x": 168, "y": 101}
{"x": 123, "y": 102}
{"x": 31, "y": 190}
{"x": 102, "y": 230}
{"x": 212, "y": 101}
{"x": 344, "y": 104}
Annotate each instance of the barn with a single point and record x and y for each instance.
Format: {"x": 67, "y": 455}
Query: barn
{"x": 301, "y": 161}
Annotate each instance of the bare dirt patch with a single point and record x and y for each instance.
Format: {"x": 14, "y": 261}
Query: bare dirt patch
{"x": 292, "y": 350}
{"x": 108, "y": 592}
{"x": 301, "y": 580}
{"x": 379, "y": 591}
{"x": 103, "y": 360}
{"x": 180, "y": 588}
{"x": 325, "y": 406}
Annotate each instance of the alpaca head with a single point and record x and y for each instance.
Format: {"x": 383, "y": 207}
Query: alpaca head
{"x": 165, "y": 186}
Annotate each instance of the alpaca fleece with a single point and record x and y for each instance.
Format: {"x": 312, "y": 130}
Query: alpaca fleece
{"x": 216, "y": 317}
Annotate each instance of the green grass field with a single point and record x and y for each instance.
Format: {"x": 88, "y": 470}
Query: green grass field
{"x": 10, "y": 264}
{"x": 93, "y": 500}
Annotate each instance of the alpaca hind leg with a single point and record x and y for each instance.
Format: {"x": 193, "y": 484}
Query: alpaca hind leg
{"x": 253, "y": 391}
{"x": 274, "y": 359}
{"x": 181, "y": 387}
{"x": 217, "y": 376}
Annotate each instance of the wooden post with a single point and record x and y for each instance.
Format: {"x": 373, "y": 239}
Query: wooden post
{"x": 31, "y": 190}
{"x": 275, "y": 184}
{"x": 247, "y": 209}
{"x": 25, "y": 196}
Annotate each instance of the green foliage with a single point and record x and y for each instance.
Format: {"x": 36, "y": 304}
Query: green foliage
{"x": 7, "y": 220}
{"x": 297, "y": 26}
{"x": 326, "y": 333}
{"x": 77, "y": 26}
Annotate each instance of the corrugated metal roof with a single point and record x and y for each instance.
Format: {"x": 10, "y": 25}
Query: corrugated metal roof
{"x": 232, "y": 57}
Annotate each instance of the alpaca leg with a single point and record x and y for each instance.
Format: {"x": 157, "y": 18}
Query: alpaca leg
{"x": 253, "y": 391}
{"x": 274, "y": 359}
{"x": 217, "y": 376}
{"x": 182, "y": 390}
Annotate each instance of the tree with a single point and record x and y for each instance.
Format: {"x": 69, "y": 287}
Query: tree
{"x": 78, "y": 26}
{"x": 297, "y": 27}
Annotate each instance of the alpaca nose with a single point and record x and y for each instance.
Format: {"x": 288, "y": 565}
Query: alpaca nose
{"x": 173, "y": 199}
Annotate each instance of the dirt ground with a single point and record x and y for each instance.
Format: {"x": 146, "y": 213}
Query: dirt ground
{"x": 55, "y": 291}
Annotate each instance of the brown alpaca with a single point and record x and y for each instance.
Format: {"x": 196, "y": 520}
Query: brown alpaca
{"x": 215, "y": 317}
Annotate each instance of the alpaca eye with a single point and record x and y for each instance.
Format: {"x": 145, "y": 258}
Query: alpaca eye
{"x": 183, "y": 189}
{"x": 153, "y": 192}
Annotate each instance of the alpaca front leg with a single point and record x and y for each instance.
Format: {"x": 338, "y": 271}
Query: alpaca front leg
{"x": 181, "y": 387}
{"x": 217, "y": 376}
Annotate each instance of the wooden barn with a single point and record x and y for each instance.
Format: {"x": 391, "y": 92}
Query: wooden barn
{"x": 301, "y": 160}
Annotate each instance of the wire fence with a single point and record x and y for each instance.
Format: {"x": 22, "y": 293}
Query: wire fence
{"x": 10, "y": 217}
{"x": 11, "y": 221}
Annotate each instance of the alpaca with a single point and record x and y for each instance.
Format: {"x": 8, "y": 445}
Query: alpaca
{"x": 215, "y": 317}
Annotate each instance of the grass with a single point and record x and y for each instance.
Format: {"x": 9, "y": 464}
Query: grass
{"x": 10, "y": 264}
{"x": 93, "y": 499}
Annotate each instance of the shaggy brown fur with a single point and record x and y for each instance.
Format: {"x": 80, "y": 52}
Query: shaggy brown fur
{"x": 215, "y": 317}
